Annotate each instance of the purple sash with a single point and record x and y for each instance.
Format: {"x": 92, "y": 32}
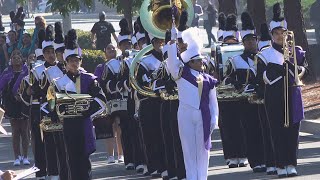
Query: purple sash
{"x": 208, "y": 84}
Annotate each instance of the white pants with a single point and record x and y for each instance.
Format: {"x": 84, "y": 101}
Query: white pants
{"x": 196, "y": 157}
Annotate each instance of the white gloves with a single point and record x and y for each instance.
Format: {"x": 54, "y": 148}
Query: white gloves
{"x": 212, "y": 127}
{"x": 174, "y": 32}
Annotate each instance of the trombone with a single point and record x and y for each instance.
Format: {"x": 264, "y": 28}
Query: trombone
{"x": 289, "y": 52}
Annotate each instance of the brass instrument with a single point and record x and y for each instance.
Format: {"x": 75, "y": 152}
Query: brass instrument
{"x": 162, "y": 18}
{"x": 71, "y": 105}
{"x": 47, "y": 125}
{"x": 226, "y": 93}
{"x": 289, "y": 52}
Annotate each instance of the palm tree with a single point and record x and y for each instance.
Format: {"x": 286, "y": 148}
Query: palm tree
{"x": 257, "y": 10}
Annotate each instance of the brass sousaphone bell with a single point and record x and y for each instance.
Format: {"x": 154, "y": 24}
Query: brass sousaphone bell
{"x": 156, "y": 17}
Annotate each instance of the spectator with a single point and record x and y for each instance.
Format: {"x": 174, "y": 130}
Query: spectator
{"x": 12, "y": 45}
{"x": 315, "y": 18}
{"x": 209, "y": 21}
{"x": 26, "y": 48}
{"x": 102, "y": 30}
{"x": 19, "y": 124}
{"x": 20, "y": 31}
{"x": 197, "y": 13}
{"x": 3, "y": 53}
{"x": 40, "y": 23}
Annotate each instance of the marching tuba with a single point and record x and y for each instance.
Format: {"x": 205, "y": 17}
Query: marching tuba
{"x": 156, "y": 17}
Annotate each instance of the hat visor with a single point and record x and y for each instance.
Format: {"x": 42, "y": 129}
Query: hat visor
{"x": 199, "y": 57}
{"x": 249, "y": 36}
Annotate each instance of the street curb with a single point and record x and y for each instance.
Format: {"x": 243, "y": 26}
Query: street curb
{"x": 311, "y": 127}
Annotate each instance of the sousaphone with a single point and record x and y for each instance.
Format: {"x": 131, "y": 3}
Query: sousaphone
{"x": 156, "y": 17}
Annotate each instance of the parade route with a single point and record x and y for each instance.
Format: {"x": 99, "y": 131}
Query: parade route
{"x": 308, "y": 161}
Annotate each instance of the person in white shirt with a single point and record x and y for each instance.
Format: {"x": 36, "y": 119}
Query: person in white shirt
{"x": 198, "y": 106}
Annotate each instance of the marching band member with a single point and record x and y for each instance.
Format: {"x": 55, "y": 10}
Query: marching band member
{"x": 107, "y": 74}
{"x": 166, "y": 86}
{"x": 36, "y": 94}
{"x": 59, "y": 47}
{"x": 241, "y": 73}
{"x": 198, "y": 106}
{"x": 78, "y": 132}
{"x": 231, "y": 34}
{"x": 141, "y": 35}
{"x": 49, "y": 70}
{"x": 149, "y": 106}
{"x": 265, "y": 42}
{"x": 271, "y": 69}
{"x": 132, "y": 125}
{"x": 231, "y": 129}
{"x": 265, "y": 38}
{"x": 124, "y": 43}
{"x": 13, "y": 109}
{"x": 222, "y": 25}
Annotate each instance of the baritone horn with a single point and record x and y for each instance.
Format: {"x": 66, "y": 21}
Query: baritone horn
{"x": 156, "y": 17}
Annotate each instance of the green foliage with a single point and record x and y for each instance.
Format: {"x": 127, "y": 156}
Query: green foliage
{"x": 120, "y": 4}
{"x": 84, "y": 39}
{"x": 91, "y": 59}
{"x": 66, "y": 6}
{"x": 306, "y": 4}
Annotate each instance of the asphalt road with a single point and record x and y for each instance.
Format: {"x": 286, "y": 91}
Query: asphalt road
{"x": 308, "y": 162}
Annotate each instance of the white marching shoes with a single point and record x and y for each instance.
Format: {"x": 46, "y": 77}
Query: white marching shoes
{"x": 233, "y": 163}
{"x": 271, "y": 170}
{"x": 121, "y": 159}
{"x": 140, "y": 169}
{"x": 282, "y": 173}
{"x": 291, "y": 171}
{"x": 16, "y": 162}
{"x": 25, "y": 161}
{"x": 110, "y": 160}
{"x": 130, "y": 166}
{"x": 54, "y": 177}
{"x": 243, "y": 162}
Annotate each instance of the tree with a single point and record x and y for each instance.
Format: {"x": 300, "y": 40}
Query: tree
{"x": 125, "y": 7}
{"x": 257, "y": 10}
{"x": 227, "y": 6}
{"x": 294, "y": 16}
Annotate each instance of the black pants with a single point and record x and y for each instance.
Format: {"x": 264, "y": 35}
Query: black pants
{"x": 78, "y": 160}
{"x": 253, "y": 134}
{"x": 61, "y": 155}
{"x": 208, "y": 27}
{"x": 51, "y": 154}
{"x": 171, "y": 138}
{"x": 231, "y": 130}
{"x": 152, "y": 135}
{"x": 267, "y": 141}
{"x": 135, "y": 134}
{"x": 39, "y": 150}
{"x": 285, "y": 140}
